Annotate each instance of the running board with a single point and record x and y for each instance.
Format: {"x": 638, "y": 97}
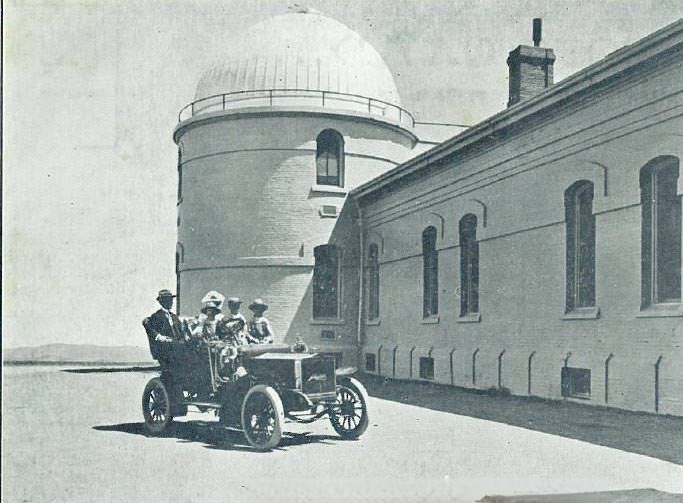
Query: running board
{"x": 210, "y": 405}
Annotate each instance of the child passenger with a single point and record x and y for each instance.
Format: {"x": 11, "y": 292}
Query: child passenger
{"x": 235, "y": 322}
{"x": 260, "y": 330}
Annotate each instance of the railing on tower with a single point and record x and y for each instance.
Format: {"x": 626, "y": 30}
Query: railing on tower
{"x": 273, "y": 98}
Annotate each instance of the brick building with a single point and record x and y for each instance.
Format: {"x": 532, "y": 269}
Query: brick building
{"x": 537, "y": 251}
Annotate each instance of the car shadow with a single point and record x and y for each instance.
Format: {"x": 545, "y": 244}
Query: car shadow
{"x": 215, "y": 436}
{"x": 652, "y": 435}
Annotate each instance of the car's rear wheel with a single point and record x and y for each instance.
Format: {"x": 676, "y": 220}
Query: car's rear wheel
{"x": 349, "y": 414}
{"x": 263, "y": 417}
{"x": 156, "y": 406}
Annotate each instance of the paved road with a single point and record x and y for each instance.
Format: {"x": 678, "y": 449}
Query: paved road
{"x": 78, "y": 438}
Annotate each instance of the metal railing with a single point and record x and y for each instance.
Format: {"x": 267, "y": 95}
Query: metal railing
{"x": 273, "y": 98}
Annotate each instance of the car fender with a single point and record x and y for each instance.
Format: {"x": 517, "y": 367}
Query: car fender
{"x": 345, "y": 371}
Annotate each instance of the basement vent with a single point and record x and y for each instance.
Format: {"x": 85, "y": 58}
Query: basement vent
{"x": 576, "y": 383}
{"x": 328, "y": 334}
{"x": 370, "y": 362}
{"x": 426, "y": 368}
{"x": 328, "y": 211}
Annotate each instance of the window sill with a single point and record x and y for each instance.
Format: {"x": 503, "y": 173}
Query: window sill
{"x": 430, "y": 320}
{"x": 327, "y": 321}
{"x": 673, "y": 310}
{"x": 469, "y": 318}
{"x": 329, "y": 189}
{"x": 373, "y": 323}
{"x": 583, "y": 313}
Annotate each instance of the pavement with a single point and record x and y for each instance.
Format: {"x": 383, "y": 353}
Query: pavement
{"x": 78, "y": 437}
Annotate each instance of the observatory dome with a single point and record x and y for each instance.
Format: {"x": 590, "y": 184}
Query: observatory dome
{"x": 302, "y": 50}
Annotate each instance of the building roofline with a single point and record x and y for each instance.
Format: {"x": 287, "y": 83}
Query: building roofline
{"x": 612, "y": 65}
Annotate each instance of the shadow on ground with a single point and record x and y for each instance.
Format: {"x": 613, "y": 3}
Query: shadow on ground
{"x": 105, "y": 370}
{"x": 215, "y": 436}
{"x": 640, "y": 433}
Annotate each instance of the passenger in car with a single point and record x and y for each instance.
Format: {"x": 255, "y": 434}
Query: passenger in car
{"x": 206, "y": 325}
{"x": 260, "y": 329}
{"x": 234, "y": 323}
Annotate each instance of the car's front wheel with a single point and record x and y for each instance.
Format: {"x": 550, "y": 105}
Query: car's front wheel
{"x": 349, "y": 413}
{"x": 156, "y": 406}
{"x": 263, "y": 417}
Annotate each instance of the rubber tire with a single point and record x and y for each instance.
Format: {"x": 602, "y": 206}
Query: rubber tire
{"x": 357, "y": 388}
{"x": 156, "y": 428}
{"x": 279, "y": 417}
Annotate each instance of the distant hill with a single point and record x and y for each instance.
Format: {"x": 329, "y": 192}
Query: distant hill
{"x": 76, "y": 353}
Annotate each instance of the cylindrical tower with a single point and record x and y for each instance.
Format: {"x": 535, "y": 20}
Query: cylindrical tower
{"x": 300, "y": 112}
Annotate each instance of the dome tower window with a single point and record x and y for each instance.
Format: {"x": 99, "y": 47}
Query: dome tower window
{"x": 330, "y": 159}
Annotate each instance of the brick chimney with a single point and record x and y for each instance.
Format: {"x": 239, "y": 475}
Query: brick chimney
{"x": 531, "y": 68}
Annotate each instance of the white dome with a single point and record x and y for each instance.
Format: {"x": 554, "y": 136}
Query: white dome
{"x": 301, "y": 50}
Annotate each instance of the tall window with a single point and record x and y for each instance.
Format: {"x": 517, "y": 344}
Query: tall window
{"x": 330, "y": 159}
{"x": 430, "y": 273}
{"x": 661, "y": 232}
{"x": 469, "y": 265}
{"x": 373, "y": 282}
{"x": 326, "y": 281}
{"x": 580, "y": 222}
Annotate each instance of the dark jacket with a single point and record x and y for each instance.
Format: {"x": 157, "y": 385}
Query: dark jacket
{"x": 158, "y": 324}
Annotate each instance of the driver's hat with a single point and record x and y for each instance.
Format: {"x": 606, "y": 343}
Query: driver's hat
{"x": 165, "y": 293}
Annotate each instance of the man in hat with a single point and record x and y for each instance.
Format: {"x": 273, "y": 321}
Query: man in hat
{"x": 260, "y": 329}
{"x": 164, "y": 328}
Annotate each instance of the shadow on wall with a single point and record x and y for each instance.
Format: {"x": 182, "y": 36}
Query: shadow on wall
{"x": 340, "y": 332}
{"x": 638, "y": 432}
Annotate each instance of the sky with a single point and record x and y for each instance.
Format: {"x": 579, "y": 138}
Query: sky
{"x": 91, "y": 93}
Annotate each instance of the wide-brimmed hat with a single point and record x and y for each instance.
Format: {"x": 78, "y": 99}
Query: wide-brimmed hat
{"x": 215, "y": 297}
{"x": 235, "y": 301}
{"x": 165, "y": 293}
{"x": 258, "y": 305}
{"x": 210, "y": 305}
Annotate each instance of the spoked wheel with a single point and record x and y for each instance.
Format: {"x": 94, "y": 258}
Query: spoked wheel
{"x": 156, "y": 406}
{"x": 349, "y": 414}
{"x": 262, "y": 417}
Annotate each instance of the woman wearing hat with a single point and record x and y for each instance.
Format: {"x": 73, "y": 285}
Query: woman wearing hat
{"x": 260, "y": 329}
{"x": 207, "y": 322}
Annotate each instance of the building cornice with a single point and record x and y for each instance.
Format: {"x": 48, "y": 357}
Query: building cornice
{"x": 349, "y": 115}
{"x": 618, "y": 64}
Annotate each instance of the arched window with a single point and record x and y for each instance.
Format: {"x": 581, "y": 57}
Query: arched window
{"x": 661, "y": 232}
{"x": 373, "y": 282}
{"x": 580, "y": 253}
{"x": 326, "y": 281}
{"x": 329, "y": 158}
{"x": 430, "y": 273}
{"x": 469, "y": 265}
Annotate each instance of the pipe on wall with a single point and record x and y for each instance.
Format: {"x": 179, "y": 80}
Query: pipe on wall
{"x": 361, "y": 283}
{"x": 379, "y": 360}
{"x": 657, "y": 364}
{"x": 607, "y": 360}
{"x": 450, "y": 358}
{"x": 474, "y": 367}
{"x": 528, "y": 388}
{"x": 411, "y": 361}
{"x": 393, "y": 361}
{"x": 500, "y": 369}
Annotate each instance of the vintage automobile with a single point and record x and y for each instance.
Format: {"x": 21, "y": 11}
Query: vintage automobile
{"x": 255, "y": 388}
